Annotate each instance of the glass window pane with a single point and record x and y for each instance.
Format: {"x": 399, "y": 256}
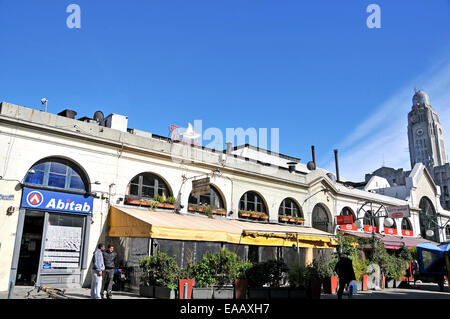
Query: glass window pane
{"x": 76, "y": 183}
{"x": 148, "y": 180}
{"x": 37, "y": 178}
{"x": 56, "y": 180}
{"x": 134, "y": 189}
{"x": 148, "y": 192}
{"x": 58, "y": 168}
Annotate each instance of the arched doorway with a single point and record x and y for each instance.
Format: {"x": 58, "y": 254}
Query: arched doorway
{"x": 428, "y": 219}
{"x": 58, "y": 207}
{"x": 321, "y": 219}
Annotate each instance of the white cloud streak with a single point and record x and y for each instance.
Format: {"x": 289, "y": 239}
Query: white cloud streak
{"x": 382, "y": 137}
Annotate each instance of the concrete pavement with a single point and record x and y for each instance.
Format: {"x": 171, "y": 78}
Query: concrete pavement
{"x": 418, "y": 291}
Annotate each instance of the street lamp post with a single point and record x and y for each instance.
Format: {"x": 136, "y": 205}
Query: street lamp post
{"x": 388, "y": 222}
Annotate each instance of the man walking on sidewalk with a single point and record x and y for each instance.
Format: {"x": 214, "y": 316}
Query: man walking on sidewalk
{"x": 98, "y": 267}
{"x": 110, "y": 259}
{"x": 344, "y": 269}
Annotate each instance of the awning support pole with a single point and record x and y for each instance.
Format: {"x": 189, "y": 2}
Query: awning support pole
{"x": 298, "y": 250}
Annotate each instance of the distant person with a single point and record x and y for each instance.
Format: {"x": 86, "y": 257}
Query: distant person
{"x": 110, "y": 259}
{"x": 344, "y": 269}
{"x": 98, "y": 266}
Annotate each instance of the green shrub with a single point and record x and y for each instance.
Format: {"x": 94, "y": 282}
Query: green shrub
{"x": 171, "y": 200}
{"x": 159, "y": 198}
{"x": 297, "y": 276}
{"x": 159, "y": 270}
{"x": 219, "y": 269}
{"x": 270, "y": 273}
{"x": 321, "y": 267}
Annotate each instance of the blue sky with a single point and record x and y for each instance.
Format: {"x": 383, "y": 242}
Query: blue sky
{"x": 310, "y": 68}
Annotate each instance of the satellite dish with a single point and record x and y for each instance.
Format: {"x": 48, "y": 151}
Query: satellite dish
{"x": 332, "y": 177}
{"x": 98, "y": 116}
{"x": 190, "y": 133}
{"x": 310, "y": 165}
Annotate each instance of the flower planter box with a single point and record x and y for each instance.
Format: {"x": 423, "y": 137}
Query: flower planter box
{"x": 219, "y": 212}
{"x": 223, "y": 292}
{"x": 330, "y": 285}
{"x": 240, "y": 288}
{"x": 165, "y": 293}
{"x": 202, "y": 293}
{"x": 279, "y": 293}
{"x": 259, "y": 293}
{"x": 244, "y": 214}
{"x": 147, "y": 291}
{"x": 139, "y": 202}
{"x": 314, "y": 289}
{"x": 264, "y": 217}
{"x": 297, "y": 293}
{"x": 300, "y": 221}
{"x": 293, "y": 220}
{"x": 283, "y": 219}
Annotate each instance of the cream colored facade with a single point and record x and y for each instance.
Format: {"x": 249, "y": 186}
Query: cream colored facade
{"x": 114, "y": 157}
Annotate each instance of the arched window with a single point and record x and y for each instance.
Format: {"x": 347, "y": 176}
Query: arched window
{"x": 368, "y": 222}
{"x": 213, "y": 199}
{"x": 289, "y": 207}
{"x": 321, "y": 219}
{"x": 428, "y": 219}
{"x": 348, "y": 211}
{"x": 447, "y": 232}
{"x": 406, "y": 224}
{"x": 57, "y": 173}
{"x": 147, "y": 186}
{"x": 251, "y": 201}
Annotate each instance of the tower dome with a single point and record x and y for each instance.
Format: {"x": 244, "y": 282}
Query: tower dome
{"x": 421, "y": 98}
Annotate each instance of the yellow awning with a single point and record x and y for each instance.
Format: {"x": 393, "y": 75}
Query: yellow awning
{"x": 136, "y": 222}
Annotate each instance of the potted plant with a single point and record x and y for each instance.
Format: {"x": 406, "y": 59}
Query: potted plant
{"x": 313, "y": 282}
{"x": 257, "y": 279}
{"x": 206, "y": 209}
{"x": 283, "y": 218}
{"x": 300, "y": 220}
{"x": 254, "y": 215}
{"x": 297, "y": 282}
{"x": 241, "y": 281}
{"x": 152, "y": 204}
{"x": 264, "y": 280}
{"x": 263, "y": 216}
{"x": 161, "y": 272}
{"x": 186, "y": 281}
{"x": 328, "y": 275}
{"x": 204, "y": 278}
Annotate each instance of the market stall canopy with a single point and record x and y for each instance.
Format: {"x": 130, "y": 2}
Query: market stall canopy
{"x": 390, "y": 241}
{"x": 431, "y": 258}
{"x": 135, "y": 222}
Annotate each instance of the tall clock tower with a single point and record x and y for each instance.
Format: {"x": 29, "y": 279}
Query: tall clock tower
{"x": 425, "y": 134}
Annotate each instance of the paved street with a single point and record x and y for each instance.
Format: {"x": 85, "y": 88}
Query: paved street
{"x": 419, "y": 291}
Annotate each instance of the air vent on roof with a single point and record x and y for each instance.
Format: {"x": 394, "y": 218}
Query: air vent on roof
{"x": 68, "y": 113}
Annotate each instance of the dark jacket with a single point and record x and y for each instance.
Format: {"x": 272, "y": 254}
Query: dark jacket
{"x": 110, "y": 259}
{"x": 344, "y": 269}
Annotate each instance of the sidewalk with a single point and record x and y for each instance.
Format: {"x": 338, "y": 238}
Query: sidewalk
{"x": 418, "y": 291}
{"x": 20, "y": 292}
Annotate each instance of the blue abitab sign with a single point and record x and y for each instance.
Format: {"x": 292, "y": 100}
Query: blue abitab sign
{"x": 56, "y": 201}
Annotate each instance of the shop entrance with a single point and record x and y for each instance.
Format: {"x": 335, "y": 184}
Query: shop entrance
{"x": 30, "y": 249}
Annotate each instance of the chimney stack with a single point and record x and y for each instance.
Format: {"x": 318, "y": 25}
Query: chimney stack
{"x": 313, "y": 156}
{"x": 337, "y": 164}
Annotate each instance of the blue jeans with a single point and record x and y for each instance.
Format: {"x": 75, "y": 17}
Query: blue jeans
{"x": 96, "y": 285}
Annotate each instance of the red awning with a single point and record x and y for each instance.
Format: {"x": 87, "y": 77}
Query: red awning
{"x": 391, "y": 242}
